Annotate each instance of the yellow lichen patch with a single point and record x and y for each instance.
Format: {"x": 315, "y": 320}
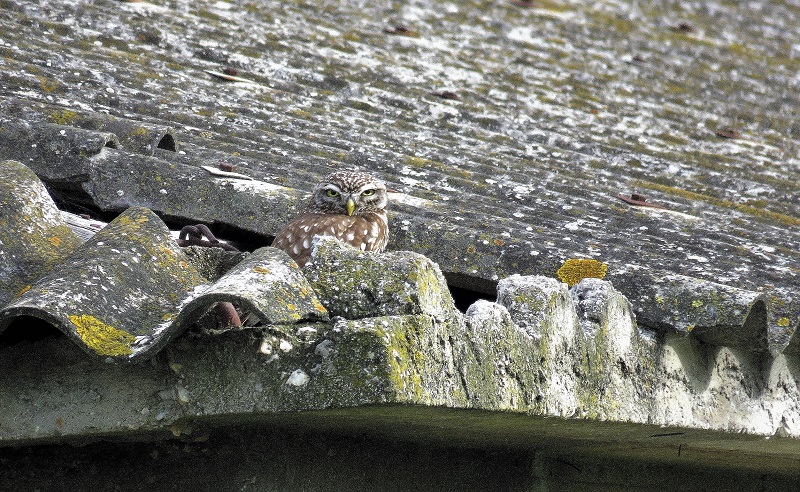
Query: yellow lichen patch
{"x": 168, "y": 317}
{"x": 576, "y": 269}
{"x": 697, "y": 303}
{"x": 23, "y": 290}
{"x": 102, "y": 338}
{"x": 262, "y": 270}
{"x": 499, "y": 242}
{"x": 63, "y": 116}
{"x": 48, "y": 85}
{"x": 167, "y": 251}
{"x": 319, "y": 307}
{"x": 138, "y": 132}
{"x": 783, "y": 322}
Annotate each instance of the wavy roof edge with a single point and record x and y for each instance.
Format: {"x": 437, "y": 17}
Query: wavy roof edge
{"x": 129, "y": 289}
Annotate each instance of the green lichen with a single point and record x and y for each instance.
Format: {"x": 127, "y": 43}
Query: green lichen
{"x": 405, "y": 360}
{"x": 416, "y": 161}
{"x": 63, "y": 117}
{"x": 744, "y": 208}
{"x": 48, "y": 85}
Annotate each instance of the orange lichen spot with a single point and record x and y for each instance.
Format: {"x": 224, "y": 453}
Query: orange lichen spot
{"x": 576, "y": 269}
{"x": 23, "y": 290}
{"x": 263, "y": 270}
{"x": 166, "y": 250}
{"x": 55, "y": 241}
{"x": 319, "y": 307}
{"x": 499, "y": 242}
{"x": 60, "y": 422}
{"x": 101, "y": 337}
{"x": 783, "y": 322}
{"x": 291, "y": 307}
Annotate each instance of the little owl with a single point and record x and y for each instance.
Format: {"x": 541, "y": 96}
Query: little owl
{"x": 346, "y": 205}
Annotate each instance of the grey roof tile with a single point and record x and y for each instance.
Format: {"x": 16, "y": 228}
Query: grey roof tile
{"x": 123, "y": 287}
{"x": 517, "y": 175}
{"x": 268, "y": 284}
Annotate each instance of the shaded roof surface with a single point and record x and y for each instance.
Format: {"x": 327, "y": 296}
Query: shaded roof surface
{"x": 507, "y": 131}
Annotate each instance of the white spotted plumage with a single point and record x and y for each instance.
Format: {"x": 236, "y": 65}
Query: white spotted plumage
{"x": 346, "y": 205}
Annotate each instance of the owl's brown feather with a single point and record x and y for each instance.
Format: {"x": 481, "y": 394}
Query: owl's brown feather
{"x": 366, "y": 229}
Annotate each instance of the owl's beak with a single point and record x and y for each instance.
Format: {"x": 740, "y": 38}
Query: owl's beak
{"x": 351, "y": 205}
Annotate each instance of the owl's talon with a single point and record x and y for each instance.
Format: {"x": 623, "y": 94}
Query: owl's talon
{"x": 201, "y": 235}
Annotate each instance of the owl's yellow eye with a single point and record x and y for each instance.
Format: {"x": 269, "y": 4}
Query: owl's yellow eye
{"x": 367, "y": 192}
{"x": 332, "y": 193}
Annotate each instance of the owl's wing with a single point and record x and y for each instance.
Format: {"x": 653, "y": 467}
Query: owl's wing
{"x": 367, "y": 233}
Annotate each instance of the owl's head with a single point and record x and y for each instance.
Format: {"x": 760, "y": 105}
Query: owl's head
{"x": 349, "y": 193}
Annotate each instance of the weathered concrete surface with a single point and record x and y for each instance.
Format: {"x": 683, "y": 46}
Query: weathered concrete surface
{"x": 531, "y": 353}
{"x": 269, "y": 285}
{"x": 116, "y": 292}
{"x": 56, "y": 153}
{"x": 33, "y": 236}
{"x": 356, "y": 285}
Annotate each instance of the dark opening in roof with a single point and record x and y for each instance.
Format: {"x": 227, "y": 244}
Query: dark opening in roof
{"x": 464, "y": 298}
{"x": 167, "y": 142}
{"x": 28, "y": 329}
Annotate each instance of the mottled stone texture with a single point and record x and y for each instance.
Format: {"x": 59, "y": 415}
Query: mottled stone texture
{"x": 33, "y": 236}
{"x": 356, "y": 285}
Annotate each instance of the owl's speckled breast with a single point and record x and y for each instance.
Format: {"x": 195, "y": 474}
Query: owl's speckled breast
{"x": 367, "y": 232}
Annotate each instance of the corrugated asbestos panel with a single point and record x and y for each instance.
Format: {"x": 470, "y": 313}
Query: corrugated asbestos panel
{"x": 507, "y": 131}
{"x": 129, "y": 289}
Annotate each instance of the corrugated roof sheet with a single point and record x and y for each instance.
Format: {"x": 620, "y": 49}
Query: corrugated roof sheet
{"x": 129, "y": 289}
{"x": 507, "y": 131}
